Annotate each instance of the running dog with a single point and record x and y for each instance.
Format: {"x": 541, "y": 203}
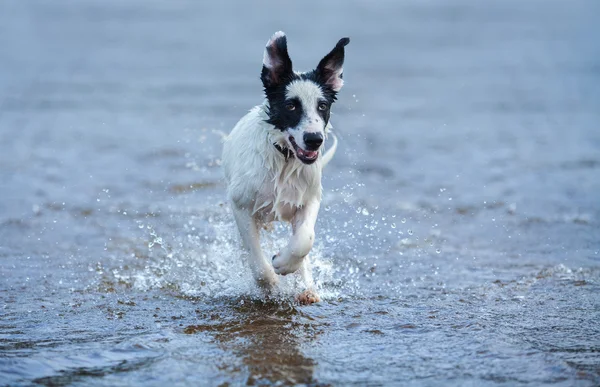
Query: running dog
{"x": 273, "y": 160}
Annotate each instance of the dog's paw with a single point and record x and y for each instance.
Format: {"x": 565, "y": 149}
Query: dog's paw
{"x": 267, "y": 279}
{"x": 284, "y": 266}
{"x": 308, "y": 297}
{"x": 267, "y": 282}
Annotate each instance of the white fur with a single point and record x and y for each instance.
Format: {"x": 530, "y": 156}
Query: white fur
{"x": 263, "y": 186}
{"x": 309, "y": 94}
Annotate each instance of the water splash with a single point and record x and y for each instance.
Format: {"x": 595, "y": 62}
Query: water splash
{"x": 205, "y": 259}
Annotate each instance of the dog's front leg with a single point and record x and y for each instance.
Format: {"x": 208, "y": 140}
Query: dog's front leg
{"x": 309, "y": 295}
{"x": 261, "y": 269}
{"x": 291, "y": 257}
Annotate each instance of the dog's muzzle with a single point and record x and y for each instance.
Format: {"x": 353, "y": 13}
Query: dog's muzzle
{"x": 306, "y": 156}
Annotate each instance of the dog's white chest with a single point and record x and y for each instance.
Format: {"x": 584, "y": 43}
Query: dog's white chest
{"x": 288, "y": 187}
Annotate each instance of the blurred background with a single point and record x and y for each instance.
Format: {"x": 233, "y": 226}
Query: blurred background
{"x": 459, "y": 236}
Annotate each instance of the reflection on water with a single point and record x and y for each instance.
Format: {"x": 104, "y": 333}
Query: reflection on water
{"x": 266, "y": 336}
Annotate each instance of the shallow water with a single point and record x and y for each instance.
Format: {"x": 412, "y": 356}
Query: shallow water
{"x": 459, "y": 238}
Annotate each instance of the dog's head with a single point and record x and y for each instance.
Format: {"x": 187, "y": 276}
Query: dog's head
{"x": 300, "y": 103}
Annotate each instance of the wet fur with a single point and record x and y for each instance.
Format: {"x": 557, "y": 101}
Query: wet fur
{"x": 265, "y": 185}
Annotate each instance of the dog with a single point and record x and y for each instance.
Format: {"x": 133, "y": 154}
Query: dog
{"x": 273, "y": 159}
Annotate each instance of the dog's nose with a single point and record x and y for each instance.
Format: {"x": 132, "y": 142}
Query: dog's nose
{"x": 313, "y": 141}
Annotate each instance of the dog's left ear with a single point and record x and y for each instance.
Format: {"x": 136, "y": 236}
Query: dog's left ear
{"x": 330, "y": 68}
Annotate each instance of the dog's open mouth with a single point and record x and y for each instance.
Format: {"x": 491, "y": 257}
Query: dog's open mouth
{"x": 307, "y": 157}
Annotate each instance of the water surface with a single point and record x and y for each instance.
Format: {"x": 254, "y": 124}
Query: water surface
{"x": 459, "y": 237}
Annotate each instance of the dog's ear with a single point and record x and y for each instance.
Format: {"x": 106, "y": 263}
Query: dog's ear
{"x": 330, "y": 68}
{"x": 277, "y": 65}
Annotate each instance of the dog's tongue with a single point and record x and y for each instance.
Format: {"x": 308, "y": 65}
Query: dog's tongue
{"x": 307, "y": 154}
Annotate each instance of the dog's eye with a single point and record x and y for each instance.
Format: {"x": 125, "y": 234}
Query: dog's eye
{"x": 290, "y": 106}
{"x": 322, "y": 106}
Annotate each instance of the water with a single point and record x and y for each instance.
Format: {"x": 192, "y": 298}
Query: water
{"x": 459, "y": 238}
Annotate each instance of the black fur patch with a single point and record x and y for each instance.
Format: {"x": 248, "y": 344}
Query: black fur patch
{"x": 279, "y": 115}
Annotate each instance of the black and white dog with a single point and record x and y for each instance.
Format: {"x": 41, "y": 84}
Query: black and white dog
{"x": 274, "y": 156}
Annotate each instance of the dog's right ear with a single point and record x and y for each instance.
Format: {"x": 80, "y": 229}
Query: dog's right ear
{"x": 277, "y": 65}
